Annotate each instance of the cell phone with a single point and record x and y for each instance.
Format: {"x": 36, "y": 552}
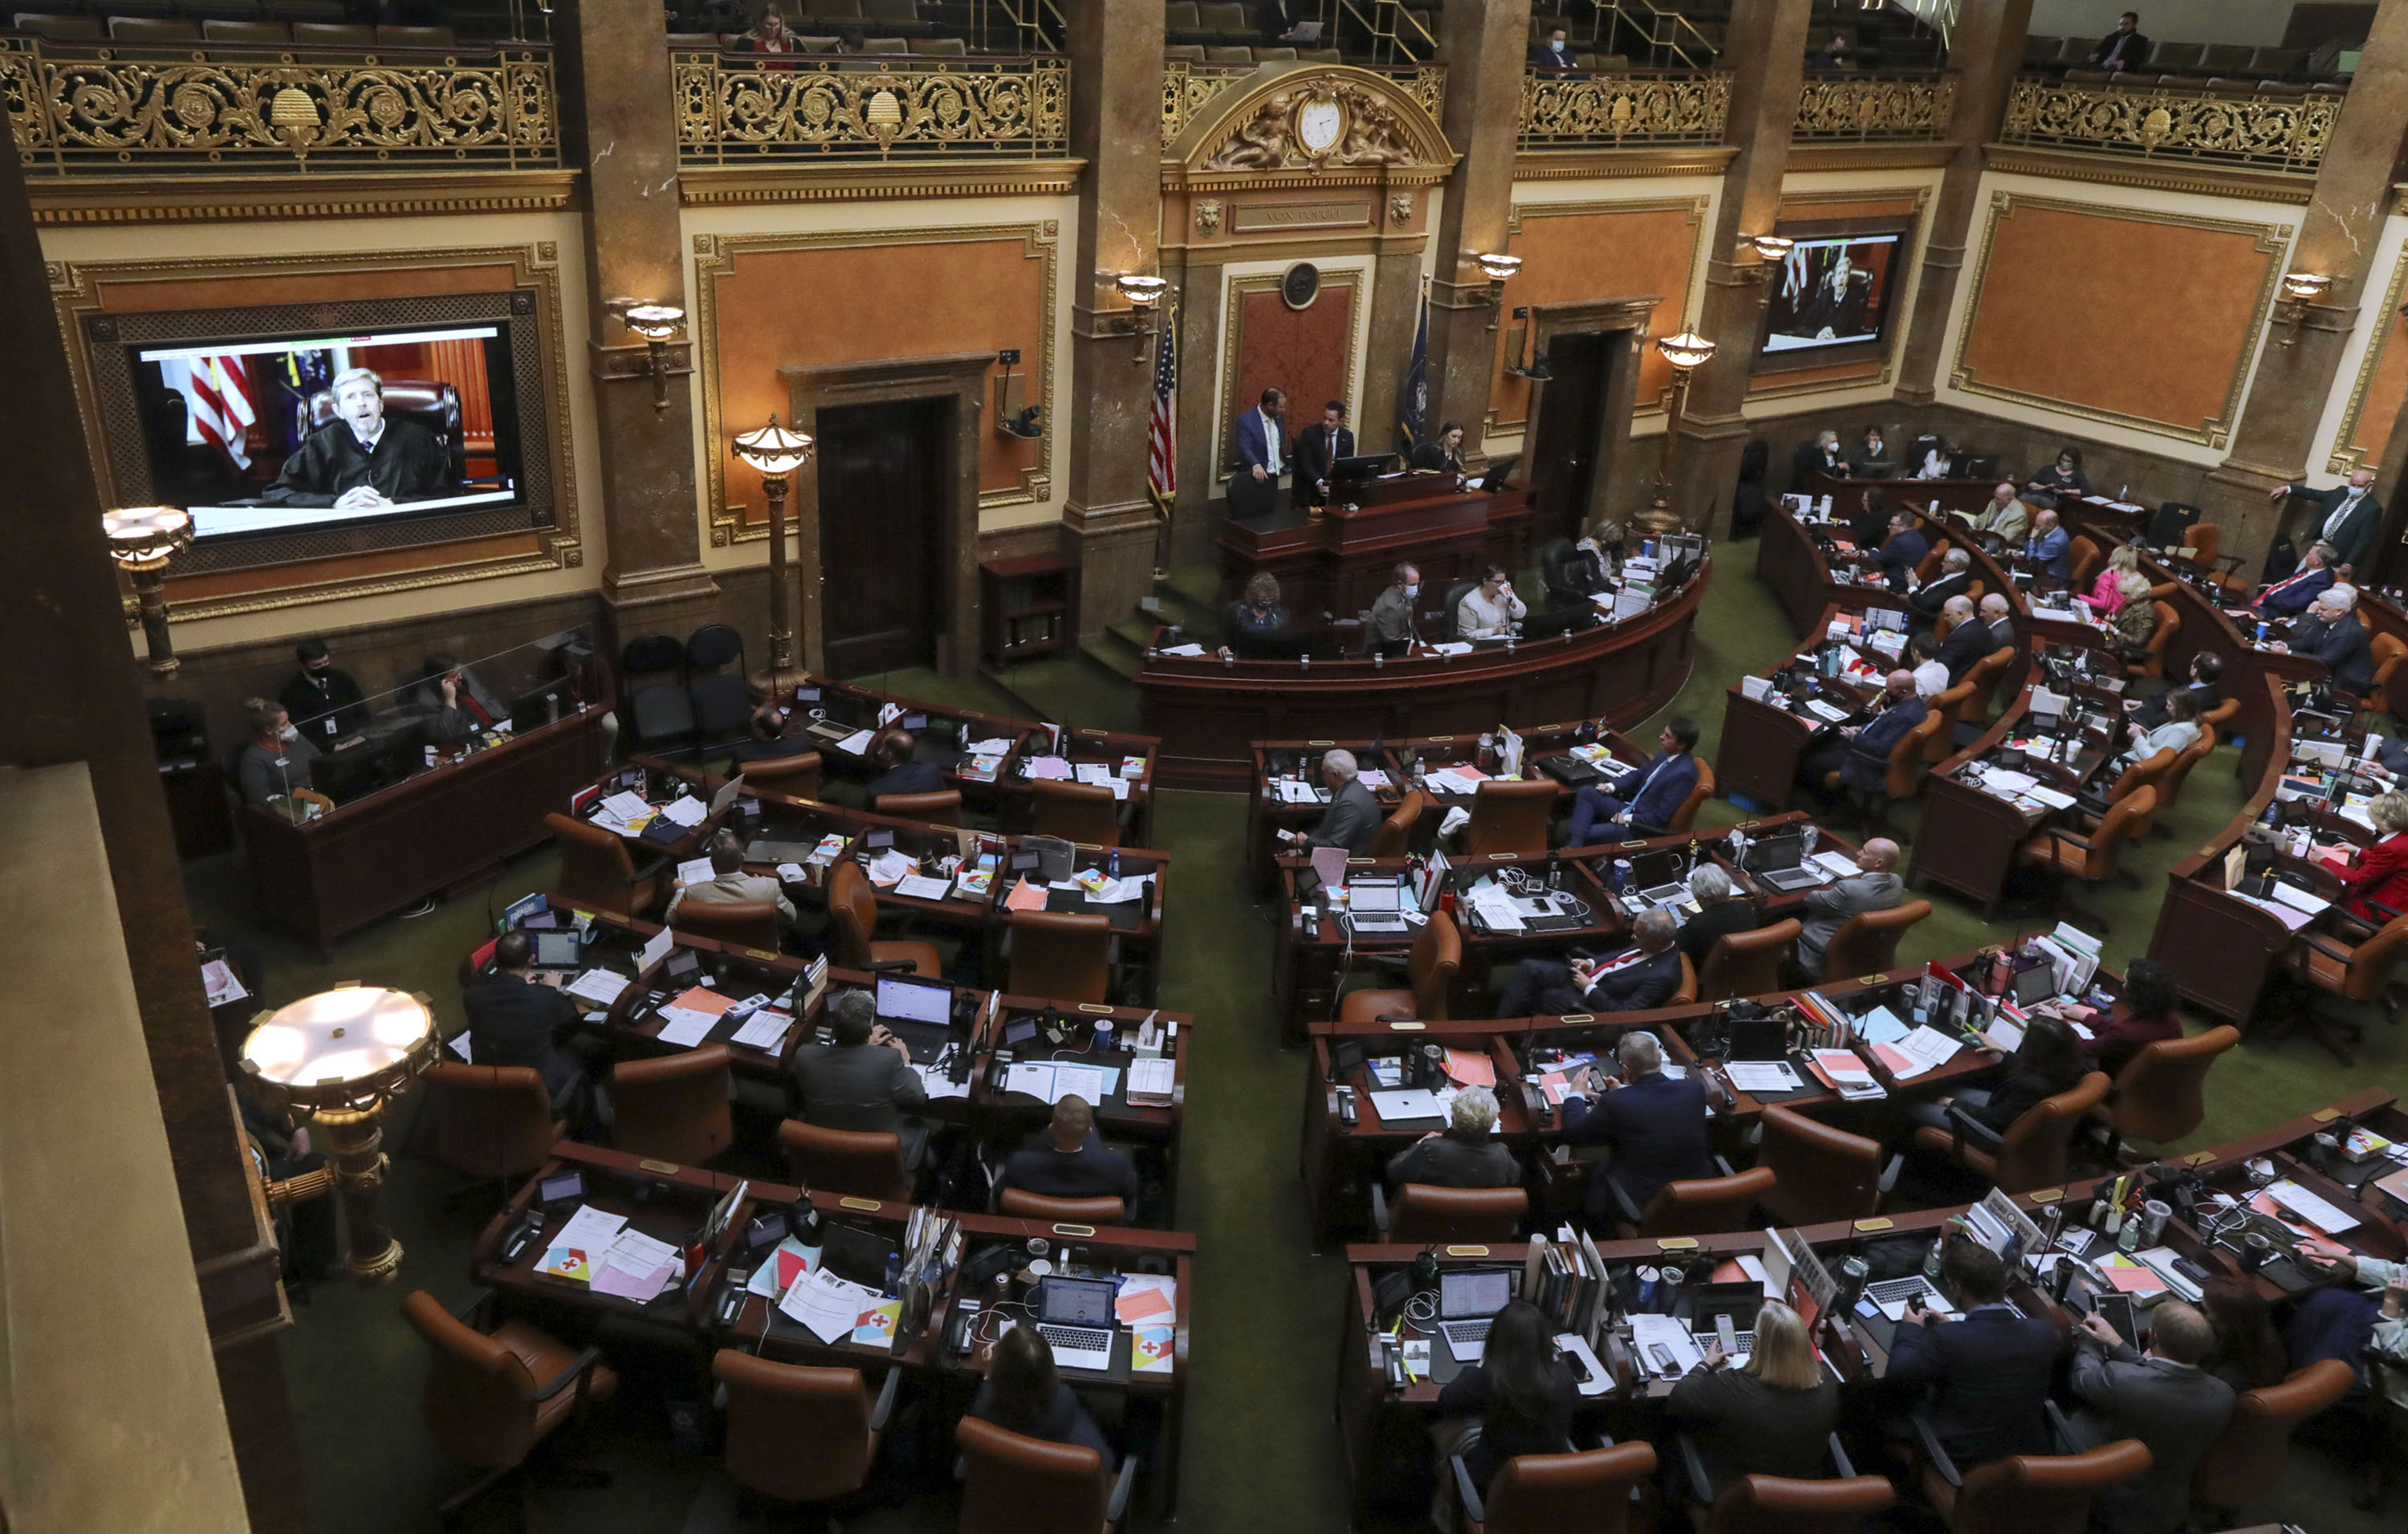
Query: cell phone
{"x": 1666, "y": 1364}
{"x": 2190, "y": 1271}
{"x": 1346, "y": 1109}
{"x": 2117, "y": 1310}
{"x": 1726, "y": 1335}
{"x": 731, "y": 1294}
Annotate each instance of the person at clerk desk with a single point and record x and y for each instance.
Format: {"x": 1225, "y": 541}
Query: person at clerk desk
{"x": 327, "y": 705}
{"x": 1354, "y": 816}
{"x": 2062, "y": 477}
{"x": 1392, "y": 610}
{"x": 1872, "y": 455}
{"x": 1820, "y": 456}
{"x": 1317, "y": 447}
{"x": 1465, "y": 1154}
{"x": 2331, "y": 633}
{"x": 360, "y": 461}
{"x": 1985, "y": 1378}
{"x": 2351, "y": 515}
{"x": 1490, "y": 609}
{"x": 1068, "y": 1159}
{"x": 1259, "y": 614}
{"x": 729, "y": 884}
{"x": 276, "y": 764}
{"x": 455, "y": 703}
{"x": 1640, "y": 978}
{"x": 1655, "y": 1126}
{"x": 1643, "y": 800}
{"x": 864, "y": 1081}
{"x": 1443, "y": 453}
{"x": 2161, "y": 1397}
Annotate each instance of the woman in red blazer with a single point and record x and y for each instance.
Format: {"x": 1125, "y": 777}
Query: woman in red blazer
{"x": 2381, "y": 876}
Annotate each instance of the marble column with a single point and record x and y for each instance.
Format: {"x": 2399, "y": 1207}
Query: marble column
{"x": 77, "y": 696}
{"x": 1985, "y": 50}
{"x": 2275, "y": 442}
{"x": 1766, "y": 48}
{"x": 1116, "y": 128}
{"x": 619, "y": 124}
{"x": 1486, "y": 44}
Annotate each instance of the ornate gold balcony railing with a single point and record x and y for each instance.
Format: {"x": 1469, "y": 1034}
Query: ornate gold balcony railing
{"x": 1187, "y": 86}
{"x": 740, "y": 109}
{"x": 2171, "y": 125}
{"x": 86, "y": 109}
{"x": 1864, "y": 108}
{"x": 1624, "y": 111}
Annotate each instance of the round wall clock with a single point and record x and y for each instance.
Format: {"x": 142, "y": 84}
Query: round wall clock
{"x": 1318, "y": 124}
{"x": 1301, "y": 285}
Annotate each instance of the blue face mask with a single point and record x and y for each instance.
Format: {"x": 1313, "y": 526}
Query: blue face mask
{"x": 1414, "y": 589}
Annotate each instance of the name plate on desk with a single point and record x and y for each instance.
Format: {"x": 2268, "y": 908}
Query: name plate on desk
{"x": 1406, "y": 1027}
{"x": 2325, "y": 1115}
{"x": 2199, "y": 1158}
{"x": 848, "y": 1201}
{"x": 668, "y": 1167}
{"x": 2043, "y": 1196}
{"x": 1467, "y": 1251}
{"x": 1676, "y": 1244}
{"x": 1877, "y": 1222}
{"x": 1096, "y": 1006}
{"x": 1074, "y": 1230}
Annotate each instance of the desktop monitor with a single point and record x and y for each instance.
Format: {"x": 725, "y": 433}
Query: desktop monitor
{"x": 1491, "y": 480}
{"x": 1369, "y": 465}
{"x": 555, "y": 949}
{"x": 542, "y": 704}
{"x": 1975, "y": 466}
{"x": 1278, "y": 645}
{"x": 1573, "y": 620}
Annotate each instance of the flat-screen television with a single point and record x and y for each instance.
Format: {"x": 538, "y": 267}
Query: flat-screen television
{"x": 1833, "y": 295}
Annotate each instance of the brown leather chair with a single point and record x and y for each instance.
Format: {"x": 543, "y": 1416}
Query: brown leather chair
{"x": 492, "y": 1397}
{"x": 2036, "y": 1148}
{"x": 2387, "y": 650}
{"x": 796, "y": 776}
{"x": 491, "y": 1121}
{"x": 673, "y": 1108}
{"x": 2086, "y": 560}
{"x": 1426, "y": 1213}
{"x": 1902, "y": 770}
{"x": 148, "y": 29}
{"x": 1060, "y": 954}
{"x": 2361, "y": 972}
{"x": 1984, "y": 675}
{"x": 1685, "y": 817}
{"x": 333, "y": 35}
{"x": 853, "y": 921}
{"x": 1020, "y": 1204}
{"x": 1867, "y": 942}
{"x": 1928, "y": 568}
{"x": 773, "y": 1409}
{"x": 1747, "y": 964}
{"x": 1549, "y": 1493}
{"x": 596, "y": 871}
{"x": 1685, "y": 993}
{"x": 2153, "y": 660}
{"x": 1948, "y": 704}
{"x": 2148, "y": 772}
{"x": 2160, "y": 1094}
{"x": 1390, "y": 839}
{"x": 1821, "y": 1174}
{"x": 1510, "y": 817}
{"x": 1703, "y": 1206}
{"x": 1771, "y": 1504}
{"x": 2247, "y": 1457}
{"x": 1430, "y": 964}
{"x": 1012, "y": 1483}
{"x": 2098, "y": 857}
{"x": 1076, "y": 812}
{"x": 945, "y": 803}
{"x": 2032, "y": 1494}
{"x": 2222, "y": 715}
{"x": 245, "y": 32}
{"x": 863, "y": 1164}
{"x": 2170, "y": 787}
{"x": 754, "y": 924}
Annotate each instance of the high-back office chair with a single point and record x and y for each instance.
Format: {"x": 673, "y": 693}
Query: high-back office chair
{"x": 2035, "y": 1150}
{"x": 656, "y": 711}
{"x": 2161, "y": 1092}
{"x": 1076, "y": 812}
{"x": 1426, "y": 1213}
{"x": 435, "y": 407}
{"x": 2095, "y": 859}
{"x": 772, "y": 1408}
{"x": 1685, "y": 817}
{"x": 945, "y": 804}
{"x": 2086, "y": 560}
{"x": 1020, "y": 1204}
{"x": 2153, "y": 659}
{"x": 491, "y": 1121}
{"x": 1389, "y": 840}
{"x": 1702, "y": 1206}
{"x": 796, "y": 776}
{"x": 853, "y": 922}
{"x": 2221, "y": 716}
{"x": 1867, "y": 942}
{"x": 1549, "y": 1493}
{"x": 1456, "y": 593}
{"x": 756, "y": 924}
{"x": 1556, "y": 561}
{"x": 1949, "y": 704}
{"x": 2031, "y": 1493}
{"x": 1510, "y": 817}
{"x": 1984, "y": 675}
{"x": 2170, "y": 787}
{"x": 1430, "y": 969}
{"x": 2387, "y": 650}
{"x": 1902, "y": 773}
{"x": 1066, "y": 955}
{"x": 1685, "y": 993}
{"x": 492, "y": 1397}
{"x": 1771, "y": 1504}
{"x": 859, "y": 1163}
{"x": 596, "y": 871}
{"x": 716, "y": 684}
{"x": 2148, "y": 772}
{"x": 1821, "y": 1174}
{"x": 2248, "y": 1456}
{"x": 2354, "y": 972}
{"x": 1747, "y": 964}
{"x": 1012, "y": 1483}
{"x": 675, "y": 1108}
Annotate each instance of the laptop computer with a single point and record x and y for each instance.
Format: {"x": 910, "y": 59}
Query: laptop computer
{"x": 1075, "y": 1316}
{"x": 555, "y": 949}
{"x": 1657, "y": 877}
{"x": 1780, "y": 862}
{"x": 1738, "y": 1301}
{"x": 918, "y": 1011}
{"x": 1468, "y": 1297}
{"x": 1371, "y": 906}
{"x": 768, "y": 849}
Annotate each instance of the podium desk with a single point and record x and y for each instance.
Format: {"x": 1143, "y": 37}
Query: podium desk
{"x": 1337, "y": 562}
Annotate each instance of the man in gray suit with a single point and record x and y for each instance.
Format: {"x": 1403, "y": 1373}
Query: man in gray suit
{"x": 2348, "y": 516}
{"x": 864, "y": 1081}
{"x": 1828, "y": 910}
{"x": 1354, "y": 816}
{"x": 2163, "y": 1399}
{"x": 729, "y": 884}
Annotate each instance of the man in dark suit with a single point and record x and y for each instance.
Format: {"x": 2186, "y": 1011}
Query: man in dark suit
{"x": 1644, "y": 799}
{"x": 2331, "y": 633}
{"x": 2290, "y": 597}
{"x": 2161, "y": 1397}
{"x": 1721, "y": 910}
{"x": 2206, "y": 667}
{"x": 1655, "y": 1124}
{"x": 1317, "y": 447}
{"x": 512, "y": 1021}
{"x": 1868, "y": 760}
{"x": 1999, "y": 620}
{"x": 327, "y": 705}
{"x": 1554, "y": 55}
{"x": 2347, "y": 517}
{"x": 1068, "y": 1159}
{"x": 863, "y": 1082}
{"x": 2123, "y": 48}
{"x": 1640, "y": 978}
{"x": 897, "y": 772}
{"x": 1955, "y": 578}
{"x": 1967, "y": 643}
{"x": 1902, "y": 551}
{"x": 1986, "y": 1376}
{"x": 1262, "y": 458}
{"x": 1354, "y": 816}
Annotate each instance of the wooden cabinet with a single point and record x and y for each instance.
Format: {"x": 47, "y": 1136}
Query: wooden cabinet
{"x": 1029, "y": 607}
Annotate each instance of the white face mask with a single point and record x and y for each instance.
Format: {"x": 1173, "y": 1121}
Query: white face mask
{"x": 290, "y": 732}
{"x": 1414, "y": 588}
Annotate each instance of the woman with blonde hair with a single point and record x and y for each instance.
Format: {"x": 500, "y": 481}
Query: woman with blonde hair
{"x": 2107, "y": 593}
{"x": 1771, "y": 1415}
{"x": 2380, "y": 876}
{"x": 2133, "y": 621}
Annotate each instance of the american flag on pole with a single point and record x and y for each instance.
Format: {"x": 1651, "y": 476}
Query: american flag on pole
{"x": 218, "y": 394}
{"x": 1162, "y": 439}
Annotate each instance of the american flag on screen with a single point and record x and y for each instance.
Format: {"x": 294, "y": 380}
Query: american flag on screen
{"x": 1162, "y": 441}
{"x": 218, "y": 391}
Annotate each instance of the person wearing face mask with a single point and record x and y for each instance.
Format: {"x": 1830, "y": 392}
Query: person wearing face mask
{"x": 276, "y": 764}
{"x": 1392, "y": 610}
{"x": 327, "y": 705}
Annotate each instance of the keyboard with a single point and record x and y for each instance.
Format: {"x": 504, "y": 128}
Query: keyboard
{"x": 1891, "y": 1295}
{"x": 1376, "y": 921}
{"x": 1792, "y": 879}
{"x": 1079, "y": 1347}
{"x": 1744, "y": 1343}
{"x": 1465, "y": 1340}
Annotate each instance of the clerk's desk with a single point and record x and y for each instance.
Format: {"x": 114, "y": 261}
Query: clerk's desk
{"x": 1209, "y": 712}
{"x": 1339, "y": 558}
{"x": 670, "y": 1203}
{"x": 1386, "y": 1431}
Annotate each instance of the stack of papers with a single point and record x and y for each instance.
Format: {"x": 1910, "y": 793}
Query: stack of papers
{"x": 686, "y": 811}
{"x": 1289, "y": 791}
{"x": 1053, "y": 768}
{"x": 695, "y": 870}
{"x": 939, "y": 1085}
{"x": 599, "y": 986}
{"x": 636, "y": 1268}
{"x": 688, "y": 1020}
{"x": 1458, "y": 778}
{"x": 766, "y": 1031}
{"x": 1763, "y": 1076}
{"x": 1053, "y": 1081}
{"x": 1152, "y": 1082}
{"x": 829, "y": 1308}
{"x": 890, "y": 867}
{"x": 1190, "y": 649}
{"x": 218, "y": 979}
{"x": 1922, "y": 1050}
{"x": 831, "y": 847}
{"x": 1027, "y": 895}
{"x": 1100, "y": 775}
{"x": 855, "y": 744}
{"x": 1850, "y": 1077}
{"x": 920, "y": 887}
{"x": 1838, "y": 865}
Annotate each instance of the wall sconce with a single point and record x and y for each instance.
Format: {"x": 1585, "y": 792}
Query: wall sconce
{"x": 1686, "y": 353}
{"x": 1144, "y": 296}
{"x": 658, "y": 324}
{"x": 1013, "y": 415}
{"x": 1500, "y": 270}
{"x": 2299, "y": 290}
{"x": 1518, "y": 364}
{"x": 776, "y": 452}
{"x": 142, "y": 538}
{"x": 1770, "y": 249}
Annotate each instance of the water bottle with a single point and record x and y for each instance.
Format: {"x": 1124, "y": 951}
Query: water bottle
{"x": 1806, "y": 840}
{"x": 1113, "y": 864}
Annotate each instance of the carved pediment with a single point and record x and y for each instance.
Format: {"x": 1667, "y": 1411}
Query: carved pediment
{"x": 1315, "y": 118}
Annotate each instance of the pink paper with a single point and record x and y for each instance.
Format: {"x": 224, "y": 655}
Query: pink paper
{"x": 1471, "y": 1068}
{"x": 1329, "y": 865}
{"x": 612, "y": 1279}
{"x": 791, "y": 1266}
{"x": 1138, "y": 1304}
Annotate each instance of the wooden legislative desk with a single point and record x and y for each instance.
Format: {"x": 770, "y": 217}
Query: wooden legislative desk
{"x": 1757, "y": 757}
{"x": 1338, "y": 560}
{"x": 1803, "y": 579}
{"x": 439, "y": 831}
{"x": 1209, "y": 712}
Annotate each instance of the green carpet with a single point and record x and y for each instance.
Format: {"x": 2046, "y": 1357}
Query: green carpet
{"x": 1260, "y": 1447}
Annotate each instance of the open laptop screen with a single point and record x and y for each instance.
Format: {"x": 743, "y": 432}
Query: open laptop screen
{"x": 1468, "y": 1293}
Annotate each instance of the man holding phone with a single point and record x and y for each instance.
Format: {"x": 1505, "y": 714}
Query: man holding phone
{"x": 2159, "y": 1395}
{"x": 1988, "y": 1375}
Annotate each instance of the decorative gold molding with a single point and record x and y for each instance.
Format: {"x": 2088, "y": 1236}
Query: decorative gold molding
{"x": 1622, "y": 165}
{"x": 851, "y": 181}
{"x": 1811, "y": 158}
{"x": 817, "y": 108}
{"x": 75, "y": 292}
{"x": 1188, "y": 87}
{"x": 1381, "y": 134}
{"x": 1355, "y": 280}
{"x": 2204, "y": 181}
{"x": 2178, "y": 124}
{"x": 2272, "y": 239}
{"x": 1609, "y": 111}
{"x": 1859, "y": 108}
{"x": 715, "y": 258}
{"x": 182, "y": 198}
{"x": 2343, "y": 458}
